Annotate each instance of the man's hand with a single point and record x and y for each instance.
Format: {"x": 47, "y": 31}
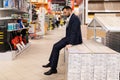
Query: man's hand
{"x": 68, "y": 46}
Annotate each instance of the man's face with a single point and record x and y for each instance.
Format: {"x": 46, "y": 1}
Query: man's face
{"x": 66, "y": 12}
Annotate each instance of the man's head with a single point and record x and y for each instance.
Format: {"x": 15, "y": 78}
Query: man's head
{"x": 67, "y": 11}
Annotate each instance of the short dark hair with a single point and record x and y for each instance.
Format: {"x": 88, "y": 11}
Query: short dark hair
{"x": 67, "y": 7}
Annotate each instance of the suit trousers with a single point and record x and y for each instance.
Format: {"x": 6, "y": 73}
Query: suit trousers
{"x": 55, "y": 52}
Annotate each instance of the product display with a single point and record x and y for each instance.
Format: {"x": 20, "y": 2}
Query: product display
{"x": 96, "y": 59}
{"x": 15, "y": 16}
{"x": 9, "y": 3}
{"x": 34, "y": 13}
{"x": 18, "y": 43}
{"x": 22, "y": 5}
{"x": 92, "y": 62}
{"x": 12, "y": 26}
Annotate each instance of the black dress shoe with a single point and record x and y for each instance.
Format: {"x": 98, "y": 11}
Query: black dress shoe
{"x": 51, "y": 71}
{"x": 46, "y": 66}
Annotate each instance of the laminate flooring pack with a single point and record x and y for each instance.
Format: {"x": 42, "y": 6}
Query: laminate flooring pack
{"x": 98, "y": 62}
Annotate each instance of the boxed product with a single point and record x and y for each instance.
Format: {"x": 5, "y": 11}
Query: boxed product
{"x": 5, "y": 3}
{"x": 10, "y": 26}
{"x": 13, "y": 26}
{"x": 9, "y": 3}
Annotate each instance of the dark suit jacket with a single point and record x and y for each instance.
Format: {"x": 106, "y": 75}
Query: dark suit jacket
{"x": 73, "y": 31}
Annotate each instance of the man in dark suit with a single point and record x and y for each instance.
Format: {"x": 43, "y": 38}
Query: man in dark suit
{"x": 73, "y": 37}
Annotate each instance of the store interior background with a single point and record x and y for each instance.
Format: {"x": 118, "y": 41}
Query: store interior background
{"x": 25, "y": 20}
{"x": 88, "y": 11}
{"x": 37, "y": 17}
{"x": 27, "y": 25}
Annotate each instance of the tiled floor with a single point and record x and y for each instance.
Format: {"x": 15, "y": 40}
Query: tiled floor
{"x": 28, "y": 65}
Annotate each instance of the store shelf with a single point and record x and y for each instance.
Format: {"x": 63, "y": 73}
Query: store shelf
{"x": 18, "y": 29}
{"x": 8, "y": 18}
{"x": 10, "y": 55}
{"x": 103, "y": 11}
{"x": 13, "y": 9}
{"x": 11, "y": 15}
{"x": 5, "y": 18}
{"x": 19, "y": 52}
{"x": 101, "y": 7}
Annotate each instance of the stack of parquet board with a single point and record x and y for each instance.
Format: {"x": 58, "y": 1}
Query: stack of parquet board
{"x": 113, "y": 40}
{"x": 92, "y": 61}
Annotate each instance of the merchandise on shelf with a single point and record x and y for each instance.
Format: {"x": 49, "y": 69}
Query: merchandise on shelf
{"x": 24, "y": 34}
{"x": 15, "y": 16}
{"x": 20, "y": 23}
{"x": 9, "y": 3}
{"x": 34, "y": 13}
{"x": 13, "y": 26}
{"x": 16, "y": 26}
{"x": 6, "y": 3}
{"x": 13, "y": 31}
{"x": 18, "y": 42}
{"x": 22, "y": 5}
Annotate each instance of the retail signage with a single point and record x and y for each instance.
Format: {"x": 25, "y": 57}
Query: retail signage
{"x": 72, "y": 4}
{"x": 49, "y": 6}
{"x": 78, "y": 2}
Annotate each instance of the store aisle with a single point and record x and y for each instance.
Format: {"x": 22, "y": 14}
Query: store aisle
{"x": 28, "y": 65}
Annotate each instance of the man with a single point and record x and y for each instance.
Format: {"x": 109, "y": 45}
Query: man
{"x": 73, "y": 37}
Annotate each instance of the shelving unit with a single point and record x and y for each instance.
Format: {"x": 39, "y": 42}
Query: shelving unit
{"x": 6, "y": 16}
{"x": 11, "y": 55}
{"x": 41, "y": 7}
{"x": 18, "y": 29}
{"x": 38, "y": 4}
{"x": 103, "y": 11}
{"x": 19, "y": 52}
{"x": 13, "y": 9}
{"x": 101, "y": 6}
